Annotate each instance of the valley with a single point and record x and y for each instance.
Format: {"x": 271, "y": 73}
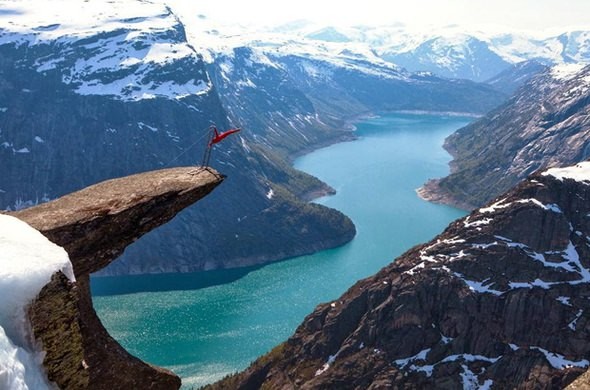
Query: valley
{"x": 205, "y": 332}
{"x": 358, "y": 142}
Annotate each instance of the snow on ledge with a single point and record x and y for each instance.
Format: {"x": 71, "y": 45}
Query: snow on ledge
{"x": 27, "y": 262}
{"x": 578, "y": 172}
{"x": 566, "y": 71}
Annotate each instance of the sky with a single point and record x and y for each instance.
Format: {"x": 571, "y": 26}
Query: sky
{"x": 517, "y": 14}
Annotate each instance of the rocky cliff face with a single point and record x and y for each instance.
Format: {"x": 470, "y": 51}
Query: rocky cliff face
{"x": 499, "y": 300}
{"x": 95, "y": 225}
{"x": 546, "y": 123}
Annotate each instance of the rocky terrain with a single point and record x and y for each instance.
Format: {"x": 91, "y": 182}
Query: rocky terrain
{"x": 95, "y": 225}
{"x": 499, "y": 300}
{"x": 546, "y": 123}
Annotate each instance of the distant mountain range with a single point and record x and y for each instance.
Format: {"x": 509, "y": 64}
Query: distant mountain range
{"x": 125, "y": 88}
{"x": 455, "y": 51}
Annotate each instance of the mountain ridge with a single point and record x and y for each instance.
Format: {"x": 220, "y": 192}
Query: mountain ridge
{"x": 544, "y": 124}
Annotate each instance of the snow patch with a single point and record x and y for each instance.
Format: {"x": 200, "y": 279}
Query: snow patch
{"x": 579, "y": 172}
{"x": 481, "y": 222}
{"x": 39, "y": 139}
{"x": 144, "y": 126}
{"x": 560, "y": 362}
{"x": 496, "y": 206}
{"x": 326, "y": 366}
{"x": 419, "y": 356}
{"x": 270, "y": 194}
{"x": 572, "y": 324}
{"x": 477, "y": 286}
{"x": 550, "y": 207}
{"x": 565, "y": 72}
{"x": 416, "y": 269}
{"x": 27, "y": 262}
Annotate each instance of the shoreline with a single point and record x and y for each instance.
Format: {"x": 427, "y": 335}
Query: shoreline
{"x": 431, "y": 192}
{"x": 441, "y": 113}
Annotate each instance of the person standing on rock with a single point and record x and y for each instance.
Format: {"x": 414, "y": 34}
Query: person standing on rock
{"x": 214, "y": 138}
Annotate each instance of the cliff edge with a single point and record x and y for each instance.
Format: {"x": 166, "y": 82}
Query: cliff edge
{"x": 94, "y": 226}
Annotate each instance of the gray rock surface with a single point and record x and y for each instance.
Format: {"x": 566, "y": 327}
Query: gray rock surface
{"x": 95, "y": 225}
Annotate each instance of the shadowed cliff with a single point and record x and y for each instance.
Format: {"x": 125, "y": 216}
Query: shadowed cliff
{"x": 94, "y": 226}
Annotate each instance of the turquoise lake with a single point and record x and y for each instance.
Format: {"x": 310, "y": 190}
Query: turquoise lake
{"x": 204, "y": 326}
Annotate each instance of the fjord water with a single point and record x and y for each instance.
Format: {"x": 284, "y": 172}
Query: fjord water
{"x": 206, "y": 325}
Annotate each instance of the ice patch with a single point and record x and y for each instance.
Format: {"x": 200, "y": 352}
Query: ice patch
{"x": 39, "y": 139}
{"x": 484, "y": 246}
{"x": 470, "y": 381}
{"x": 415, "y": 269}
{"x": 22, "y": 150}
{"x": 551, "y": 207}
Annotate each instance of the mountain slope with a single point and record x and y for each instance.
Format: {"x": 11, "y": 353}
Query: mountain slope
{"x": 498, "y": 300}
{"x": 124, "y": 89}
{"x": 457, "y": 51}
{"x": 546, "y": 123}
{"x": 460, "y": 56}
{"x": 125, "y": 93}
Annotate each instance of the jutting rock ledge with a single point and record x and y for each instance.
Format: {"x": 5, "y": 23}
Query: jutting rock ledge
{"x": 94, "y": 226}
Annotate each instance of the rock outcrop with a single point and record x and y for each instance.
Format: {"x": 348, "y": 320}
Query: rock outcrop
{"x": 500, "y": 299}
{"x": 95, "y": 225}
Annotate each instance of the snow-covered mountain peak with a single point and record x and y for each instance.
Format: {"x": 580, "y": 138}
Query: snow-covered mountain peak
{"x": 30, "y": 18}
{"x": 125, "y": 49}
